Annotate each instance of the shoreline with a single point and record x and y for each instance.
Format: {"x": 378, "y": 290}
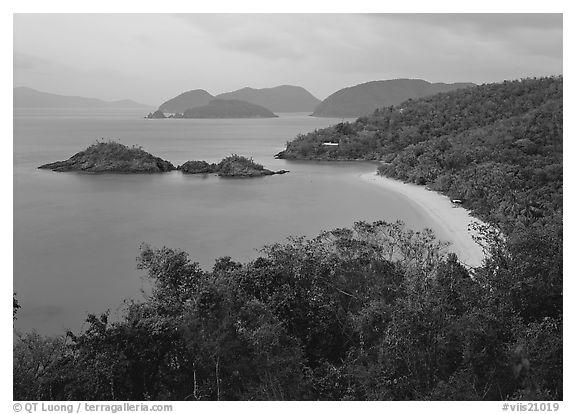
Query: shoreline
{"x": 453, "y": 220}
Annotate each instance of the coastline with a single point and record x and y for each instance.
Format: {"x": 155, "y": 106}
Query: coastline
{"x": 453, "y": 220}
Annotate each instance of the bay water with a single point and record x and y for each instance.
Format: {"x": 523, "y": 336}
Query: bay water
{"x": 77, "y": 236}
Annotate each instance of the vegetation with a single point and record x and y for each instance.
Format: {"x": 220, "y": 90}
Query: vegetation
{"x": 112, "y": 157}
{"x": 236, "y": 165}
{"x": 364, "y": 98}
{"x": 229, "y": 108}
{"x": 375, "y": 312}
{"x": 198, "y": 167}
{"x": 156, "y": 115}
{"x": 15, "y": 305}
{"x": 498, "y": 147}
{"x": 232, "y": 166}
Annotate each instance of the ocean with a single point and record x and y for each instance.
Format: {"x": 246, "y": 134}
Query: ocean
{"x": 77, "y": 236}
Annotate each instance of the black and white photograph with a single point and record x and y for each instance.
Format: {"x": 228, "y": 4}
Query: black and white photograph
{"x": 287, "y": 207}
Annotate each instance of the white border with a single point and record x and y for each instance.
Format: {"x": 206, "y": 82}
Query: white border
{"x": 245, "y": 6}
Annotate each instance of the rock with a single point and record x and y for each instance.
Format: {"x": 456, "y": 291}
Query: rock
{"x": 112, "y": 157}
{"x": 232, "y": 166}
{"x": 198, "y": 167}
{"x": 156, "y": 115}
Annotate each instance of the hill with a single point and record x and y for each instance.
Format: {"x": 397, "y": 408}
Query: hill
{"x": 363, "y": 99}
{"x": 111, "y": 157}
{"x": 25, "y": 97}
{"x": 285, "y": 98}
{"x": 186, "y": 100}
{"x": 220, "y": 108}
{"x": 506, "y": 137}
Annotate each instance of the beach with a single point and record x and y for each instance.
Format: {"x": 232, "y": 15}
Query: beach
{"x": 453, "y": 220}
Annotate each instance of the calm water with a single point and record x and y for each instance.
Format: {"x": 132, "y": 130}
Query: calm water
{"x": 76, "y": 236}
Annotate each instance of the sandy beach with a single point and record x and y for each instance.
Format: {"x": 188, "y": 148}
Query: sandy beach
{"x": 451, "y": 219}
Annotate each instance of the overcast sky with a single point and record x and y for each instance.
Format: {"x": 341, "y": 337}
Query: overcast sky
{"x": 153, "y": 57}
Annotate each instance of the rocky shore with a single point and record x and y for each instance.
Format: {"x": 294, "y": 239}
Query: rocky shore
{"x": 113, "y": 157}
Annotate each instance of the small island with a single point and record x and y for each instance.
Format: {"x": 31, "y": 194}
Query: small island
{"x": 229, "y": 108}
{"x": 218, "y": 109}
{"x": 232, "y": 166}
{"x": 112, "y": 157}
{"x": 156, "y": 115}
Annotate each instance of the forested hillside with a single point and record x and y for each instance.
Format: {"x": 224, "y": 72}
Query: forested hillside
{"x": 364, "y": 98}
{"x": 376, "y": 312}
{"x": 497, "y": 146}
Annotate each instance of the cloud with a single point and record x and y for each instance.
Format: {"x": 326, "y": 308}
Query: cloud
{"x": 263, "y": 36}
{"x": 481, "y": 23}
{"x": 451, "y": 47}
{"x": 526, "y": 34}
{"x": 23, "y": 61}
{"x": 153, "y": 56}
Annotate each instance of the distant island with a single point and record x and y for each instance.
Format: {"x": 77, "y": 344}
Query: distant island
{"x": 285, "y": 98}
{"x": 191, "y": 99}
{"x": 220, "y": 108}
{"x": 232, "y": 166}
{"x": 31, "y": 98}
{"x": 365, "y": 98}
{"x": 112, "y": 157}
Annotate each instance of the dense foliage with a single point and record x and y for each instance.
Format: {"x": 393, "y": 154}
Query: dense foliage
{"x": 198, "y": 167}
{"x": 231, "y": 166}
{"x": 109, "y": 149}
{"x": 156, "y": 115}
{"x": 238, "y": 165}
{"x": 112, "y": 157}
{"x": 373, "y": 312}
{"x": 364, "y": 98}
{"x": 497, "y": 146}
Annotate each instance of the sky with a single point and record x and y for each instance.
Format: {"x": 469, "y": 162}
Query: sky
{"x": 153, "y": 57}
